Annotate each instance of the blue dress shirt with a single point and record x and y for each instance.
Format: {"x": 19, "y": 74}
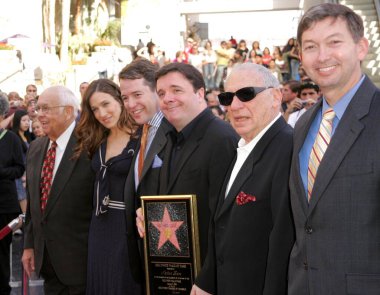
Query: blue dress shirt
{"x": 339, "y": 109}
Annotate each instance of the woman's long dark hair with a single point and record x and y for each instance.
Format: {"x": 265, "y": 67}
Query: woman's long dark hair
{"x": 89, "y": 131}
{"x": 16, "y": 128}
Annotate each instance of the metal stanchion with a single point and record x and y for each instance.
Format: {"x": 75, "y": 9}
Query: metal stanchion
{"x": 9, "y": 228}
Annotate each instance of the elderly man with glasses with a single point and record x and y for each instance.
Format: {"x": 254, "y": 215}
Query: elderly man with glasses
{"x": 251, "y": 234}
{"x": 59, "y": 192}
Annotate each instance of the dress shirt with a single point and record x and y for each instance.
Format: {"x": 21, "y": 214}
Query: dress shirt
{"x": 339, "y": 109}
{"x": 62, "y": 142}
{"x": 179, "y": 139}
{"x": 293, "y": 117}
{"x": 244, "y": 150}
{"x": 154, "y": 123}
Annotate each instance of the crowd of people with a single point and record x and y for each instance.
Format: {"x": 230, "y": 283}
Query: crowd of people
{"x": 216, "y": 62}
{"x": 284, "y": 164}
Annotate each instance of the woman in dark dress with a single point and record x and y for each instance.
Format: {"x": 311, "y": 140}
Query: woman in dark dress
{"x": 107, "y": 133}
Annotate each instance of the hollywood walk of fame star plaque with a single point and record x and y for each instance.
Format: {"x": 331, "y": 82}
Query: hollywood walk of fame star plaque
{"x": 171, "y": 245}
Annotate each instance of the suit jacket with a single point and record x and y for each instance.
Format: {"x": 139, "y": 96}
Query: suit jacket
{"x": 250, "y": 243}
{"x": 62, "y": 229}
{"x": 201, "y": 168}
{"x": 337, "y": 249}
{"x": 148, "y": 185}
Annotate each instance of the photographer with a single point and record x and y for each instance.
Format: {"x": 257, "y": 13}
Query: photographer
{"x": 308, "y": 95}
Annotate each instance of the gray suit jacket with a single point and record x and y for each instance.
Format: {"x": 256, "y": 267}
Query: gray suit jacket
{"x": 337, "y": 248}
{"x": 148, "y": 185}
{"x": 63, "y": 228}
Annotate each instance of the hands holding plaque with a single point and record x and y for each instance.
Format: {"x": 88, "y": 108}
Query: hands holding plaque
{"x": 169, "y": 227}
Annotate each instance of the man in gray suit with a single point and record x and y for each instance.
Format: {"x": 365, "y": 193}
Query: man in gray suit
{"x": 138, "y": 90}
{"x": 335, "y": 175}
{"x": 59, "y": 191}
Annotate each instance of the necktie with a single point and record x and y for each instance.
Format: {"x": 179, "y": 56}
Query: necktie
{"x": 144, "y": 140}
{"x": 319, "y": 148}
{"x": 47, "y": 174}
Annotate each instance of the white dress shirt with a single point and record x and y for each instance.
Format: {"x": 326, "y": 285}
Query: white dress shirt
{"x": 243, "y": 151}
{"x": 62, "y": 142}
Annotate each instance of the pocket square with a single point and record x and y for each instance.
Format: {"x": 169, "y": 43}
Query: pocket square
{"x": 243, "y": 198}
{"x": 157, "y": 162}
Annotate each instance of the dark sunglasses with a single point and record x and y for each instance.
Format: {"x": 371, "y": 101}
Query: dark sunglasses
{"x": 244, "y": 94}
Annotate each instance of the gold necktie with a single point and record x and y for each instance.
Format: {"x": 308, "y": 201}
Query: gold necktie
{"x": 319, "y": 148}
{"x": 144, "y": 139}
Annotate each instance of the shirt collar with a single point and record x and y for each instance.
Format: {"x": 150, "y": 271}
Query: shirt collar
{"x": 250, "y": 145}
{"x": 341, "y": 105}
{"x": 64, "y": 138}
{"x": 156, "y": 120}
{"x": 187, "y": 130}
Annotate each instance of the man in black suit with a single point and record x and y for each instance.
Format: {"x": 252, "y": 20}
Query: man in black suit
{"x": 138, "y": 90}
{"x": 199, "y": 146}
{"x": 58, "y": 218}
{"x": 336, "y": 203}
{"x": 251, "y": 232}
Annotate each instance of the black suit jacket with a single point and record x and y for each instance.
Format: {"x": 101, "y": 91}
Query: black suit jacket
{"x": 205, "y": 158}
{"x": 148, "y": 185}
{"x": 249, "y": 244}
{"x": 337, "y": 249}
{"x": 63, "y": 227}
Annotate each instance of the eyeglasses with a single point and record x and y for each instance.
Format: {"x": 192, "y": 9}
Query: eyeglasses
{"x": 244, "y": 94}
{"x": 45, "y": 109}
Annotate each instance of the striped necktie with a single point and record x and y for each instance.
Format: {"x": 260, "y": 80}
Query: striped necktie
{"x": 319, "y": 148}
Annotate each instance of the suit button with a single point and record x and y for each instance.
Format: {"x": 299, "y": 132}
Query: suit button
{"x": 305, "y": 266}
{"x": 308, "y": 229}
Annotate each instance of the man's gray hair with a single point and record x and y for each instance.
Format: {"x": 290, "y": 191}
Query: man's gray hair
{"x": 4, "y": 104}
{"x": 268, "y": 79}
{"x": 66, "y": 97}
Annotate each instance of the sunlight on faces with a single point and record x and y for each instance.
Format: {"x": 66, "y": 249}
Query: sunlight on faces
{"x": 331, "y": 58}
{"x": 37, "y": 128}
{"x": 179, "y": 102}
{"x": 309, "y": 93}
{"x": 106, "y": 109}
{"x": 249, "y": 118}
{"x": 139, "y": 100}
{"x": 56, "y": 120}
{"x": 24, "y": 123}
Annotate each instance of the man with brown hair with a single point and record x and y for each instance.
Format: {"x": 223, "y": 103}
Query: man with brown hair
{"x": 335, "y": 176}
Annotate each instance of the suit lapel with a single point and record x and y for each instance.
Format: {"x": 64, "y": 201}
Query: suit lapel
{"x": 246, "y": 170}
{"x": 190, "y": 146}
{"x": 35, "y": 177}
{"x": 62, "y": 175}
{"x": 156, "y": 147}
{"x": 299, "y": 140}
{"x": 345, "y": 135}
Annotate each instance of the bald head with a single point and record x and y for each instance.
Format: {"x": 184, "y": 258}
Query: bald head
{"x": 250, "y": 116}
{"x": 57, "y": 108}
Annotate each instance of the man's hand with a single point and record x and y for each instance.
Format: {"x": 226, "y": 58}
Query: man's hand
{"x": 140, "y": 222}
{"x": 294, "y": 105}
{"x": 198, "y": 291}
{"x": 28, "y": 261}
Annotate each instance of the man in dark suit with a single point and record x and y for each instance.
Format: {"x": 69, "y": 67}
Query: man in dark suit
{"x": 336, "y": 198}
{"x": 199, "y": 146}
{"x": 138, "y": 90}
{"x": 251, "y": 233}
{"x": 59, "y": 207}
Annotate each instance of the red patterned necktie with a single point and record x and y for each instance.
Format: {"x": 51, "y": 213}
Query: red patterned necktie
{"x": 47, "y": 174}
